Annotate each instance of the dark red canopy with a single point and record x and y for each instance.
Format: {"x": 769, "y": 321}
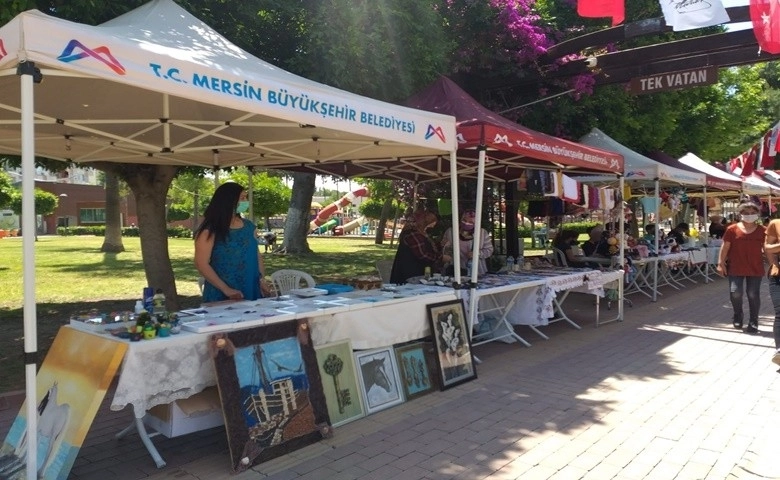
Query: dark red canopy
{"x": 505, "y": 139}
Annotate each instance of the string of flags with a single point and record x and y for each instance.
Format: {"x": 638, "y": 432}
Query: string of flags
{"x": 761, "y": 156}
{"x": 764, "y": 14}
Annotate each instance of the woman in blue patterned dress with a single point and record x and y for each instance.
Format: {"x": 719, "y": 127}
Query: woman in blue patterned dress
{"x": 226, "y": 252}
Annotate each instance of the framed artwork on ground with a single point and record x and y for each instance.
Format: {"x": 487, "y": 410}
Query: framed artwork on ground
{"x": 414, "y": 365}
{"x": 340, "y": 382}
{"x": 379, "y": 380}
{"x": 271, "y": 391}
{"x": 71, "y": 384}
{"x": 452, "y": 345}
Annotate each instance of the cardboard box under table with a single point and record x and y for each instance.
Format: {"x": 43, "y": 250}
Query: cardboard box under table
{"x": 180, "y": 417}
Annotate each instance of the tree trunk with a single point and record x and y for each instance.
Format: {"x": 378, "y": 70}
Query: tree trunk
{"x": 150, "y": 184}
{"x": 112, "y": 243}
{"x": 387, "y": 210}
{"x": 296, "y": 227}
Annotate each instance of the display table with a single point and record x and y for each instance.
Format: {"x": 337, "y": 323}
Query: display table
{"x": 530, "y": 298}
{"x": 160, "y": 371}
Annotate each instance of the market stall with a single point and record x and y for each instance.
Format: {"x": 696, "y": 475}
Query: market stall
{"x": 643, "y": 173}
{"x": 158, "y": 86}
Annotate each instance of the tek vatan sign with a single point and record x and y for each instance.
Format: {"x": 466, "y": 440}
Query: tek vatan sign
{"x": 674, "y": 80}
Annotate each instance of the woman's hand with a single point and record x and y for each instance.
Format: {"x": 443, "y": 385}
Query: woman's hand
{"x": 267, "y": 288}
{"x": 233, "y": 294}
{"x": 721, "y": 269}
{"x": 446, "y": 258}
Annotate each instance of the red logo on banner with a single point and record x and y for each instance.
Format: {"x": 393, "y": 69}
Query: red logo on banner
{"x": 765, "y": 15}
{"x": 3, "y": 53}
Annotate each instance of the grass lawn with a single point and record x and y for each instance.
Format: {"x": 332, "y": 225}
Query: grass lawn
{"x": 73, "y": 275}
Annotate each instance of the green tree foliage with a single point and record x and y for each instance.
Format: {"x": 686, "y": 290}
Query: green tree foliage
{"x": 45, "y": 202}
{"x": 270, "y": 195}
{"x": 386, "y": 50}
{"x": 7, "y": 190}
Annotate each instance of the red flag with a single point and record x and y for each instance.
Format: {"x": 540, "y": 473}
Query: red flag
{"x": 765, "y": 15}
{"x": 602, "y": 8}
{"x": 767, "y": 159}
{"x": 736, "y": 164}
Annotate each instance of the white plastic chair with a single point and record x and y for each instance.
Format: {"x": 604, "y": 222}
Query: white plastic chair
{"x": 559, "y": 257}
{"x": 385, "y": 268}
{"x": 286, "y": 279}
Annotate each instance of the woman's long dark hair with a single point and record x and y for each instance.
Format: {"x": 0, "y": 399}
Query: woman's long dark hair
{"x": 221, "y": 210}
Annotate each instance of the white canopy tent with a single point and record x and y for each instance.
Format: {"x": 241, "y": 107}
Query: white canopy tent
{"x": 158, "y": 86}
{"x": 644, "y": 172}
{"x": 749, "y": 187}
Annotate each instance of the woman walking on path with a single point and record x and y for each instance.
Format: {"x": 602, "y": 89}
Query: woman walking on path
{"x": 772, "y": 250}
{"x": 742, "y": 261}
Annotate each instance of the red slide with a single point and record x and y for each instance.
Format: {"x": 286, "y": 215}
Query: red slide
{"x": 326, "y": 212}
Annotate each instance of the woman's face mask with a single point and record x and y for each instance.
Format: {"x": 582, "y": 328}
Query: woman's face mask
{"x": 749, "y": 217}
{"x": 243, "y": 206}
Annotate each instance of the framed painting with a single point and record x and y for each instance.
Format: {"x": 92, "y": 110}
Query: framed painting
{"x": 271, "y": 391}
{"x": 340, "y": 382}
{"x": 449, "y": 329}
{"x": 414, "y": 366}
{"x": 71, "y": 385}
{"x": 380, "y": 383}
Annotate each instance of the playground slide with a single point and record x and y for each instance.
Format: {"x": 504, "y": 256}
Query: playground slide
{"x": 330, "y": 224}
{"x": 349, "y": 226}
{"x": 326, "y": 212}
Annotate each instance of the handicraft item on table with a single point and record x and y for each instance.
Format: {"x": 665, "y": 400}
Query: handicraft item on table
{"x": 271, "y": 391}
{"x": 379, "y": 379}
{"x": 453, "y": 348}
{"x": 414, "y": 362}
{"x": 340, "y": 382}
{"x": 71, "y": 385}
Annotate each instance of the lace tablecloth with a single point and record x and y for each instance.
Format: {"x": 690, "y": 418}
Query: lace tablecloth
{"x": 533, "y": 292}
{"x": 156, "y": 372}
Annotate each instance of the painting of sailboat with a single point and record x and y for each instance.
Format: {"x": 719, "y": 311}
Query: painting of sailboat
{"x": 271, "y": 393}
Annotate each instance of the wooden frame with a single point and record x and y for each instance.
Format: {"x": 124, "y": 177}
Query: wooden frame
{"x": 449, "y": 329}
{"x": 271, "y": 391}
{"x": 414, "y": 363}
{"x": 340, "y": 383}
{"x": 380, "y": 382}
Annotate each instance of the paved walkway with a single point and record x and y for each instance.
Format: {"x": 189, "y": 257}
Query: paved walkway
{"x": 674, "y": 392}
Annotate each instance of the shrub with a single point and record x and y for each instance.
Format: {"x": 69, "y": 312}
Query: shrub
{"x": 100, "y": 231}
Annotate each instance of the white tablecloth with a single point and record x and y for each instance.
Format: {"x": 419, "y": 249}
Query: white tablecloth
{"x": 381, "y": 324}
{"x": 159, "y": 371}
{"x": 533, "y": 293}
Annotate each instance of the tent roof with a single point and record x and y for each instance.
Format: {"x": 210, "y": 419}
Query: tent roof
{"x": 156, "y": 85}
{"x": 504, "y": 138}
{"x": 716, "y": 178}
{"x": 641, "y": 169}
{"x": 511, "y": 148}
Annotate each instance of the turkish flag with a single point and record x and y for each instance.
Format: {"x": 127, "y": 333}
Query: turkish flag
{"x": 765, "y": 15}
{"x": 603, "y": 8}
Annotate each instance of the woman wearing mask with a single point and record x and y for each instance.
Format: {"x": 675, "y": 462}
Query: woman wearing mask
{"x": 772, "y": 251}
{"x": 226, "y": 252}
{"x": 742, "y": 261}
{"x": 466, "y": 243}
{"x": 416, "y": 250}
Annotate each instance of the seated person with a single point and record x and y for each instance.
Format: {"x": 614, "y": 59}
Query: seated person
{"x": 565, "y": 241}
{"x": 680, "y": 233}
{"x": 717, "y": 227}
{"x": 596, "y": 245}
{"x": 417, "y": 250}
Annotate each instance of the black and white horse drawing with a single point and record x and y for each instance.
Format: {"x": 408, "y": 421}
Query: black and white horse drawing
{"x": 374, "y": 373}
